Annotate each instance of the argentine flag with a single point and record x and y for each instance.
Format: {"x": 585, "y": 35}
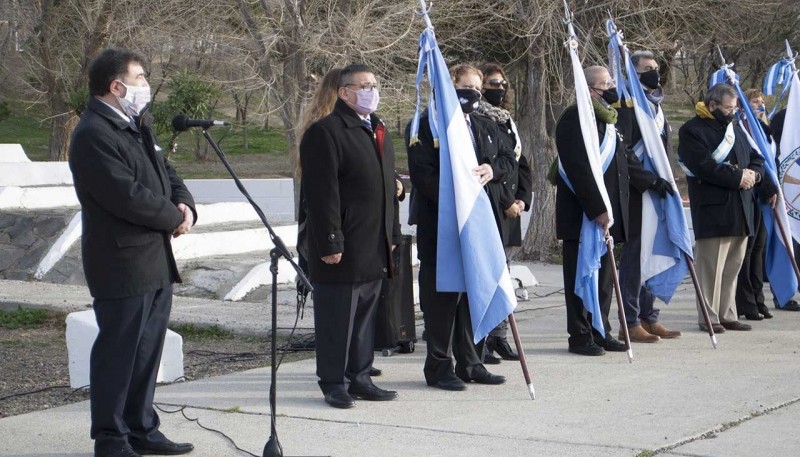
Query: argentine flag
{"x": 778, "y": 264}
{"x": 665, "y": 233}
{"x": 470, "y": 256}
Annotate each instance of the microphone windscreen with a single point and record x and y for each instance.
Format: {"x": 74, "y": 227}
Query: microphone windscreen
{"x": 179, "y": 123}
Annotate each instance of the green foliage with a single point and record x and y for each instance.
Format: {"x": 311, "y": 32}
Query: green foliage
{"x": 78, "y": 99}
{"x": 23, "y": 318}
{"x": 194, "y": 332}
{"x": 5, "y": 110}
{"x": 188, "y": 95}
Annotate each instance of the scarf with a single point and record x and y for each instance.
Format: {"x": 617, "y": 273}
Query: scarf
{"x": 604, "y": 113}
{"x": 655, "y": 96}
{"x": 499, "y": 115}
{"x": 702, "y": 111}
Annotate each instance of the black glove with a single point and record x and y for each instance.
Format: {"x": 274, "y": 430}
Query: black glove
{"x": 662, "y": 187}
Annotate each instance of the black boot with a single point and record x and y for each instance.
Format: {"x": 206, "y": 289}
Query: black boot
{"x": 501, "y": 347}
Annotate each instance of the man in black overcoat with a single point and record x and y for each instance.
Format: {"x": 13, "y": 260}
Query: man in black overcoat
{"x": 132, "y": 204}
{"x": 722, "y": 168}
{"x": 587, "y": 200}
{"x": 639, "y": 301}
{"x": 349, "y": 187}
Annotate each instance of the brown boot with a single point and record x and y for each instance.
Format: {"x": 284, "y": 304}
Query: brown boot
{"x": 639, "y": 335}
{"x": 658, "y": 329}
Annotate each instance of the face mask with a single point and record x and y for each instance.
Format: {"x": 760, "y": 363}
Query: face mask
{"x": 494, "y": 96}
{"x": 468, "y": 98}
{"x": 610, "y": 95}
{"x": 136, "y": 98}
{"x": 366, "y": 101}
{"x": 650, "y": 79}
{"x": 721, "y": 117}
{"x": 761, "y": 109}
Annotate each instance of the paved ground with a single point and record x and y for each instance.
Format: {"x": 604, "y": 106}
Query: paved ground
{"x": 678, "y": 398}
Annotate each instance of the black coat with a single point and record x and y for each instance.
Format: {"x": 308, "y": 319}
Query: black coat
{"x": 423, "y": 167}
{"x": 129, "y": 195}
{"x": 570, "y": 207}
{"x": 640, "y": 179}
{"x": 518, "y": 185}
{"x": 719, "y": 208}
{"x": 349, "y": 194}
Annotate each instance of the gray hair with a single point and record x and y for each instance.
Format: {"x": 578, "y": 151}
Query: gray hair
{"x": 592, "y": 74}
{"x": 718, "y": 92}
{"x": 640, "y": 55}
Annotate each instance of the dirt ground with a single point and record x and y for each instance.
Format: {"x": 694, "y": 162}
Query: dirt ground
{"x": 34, "y": 372}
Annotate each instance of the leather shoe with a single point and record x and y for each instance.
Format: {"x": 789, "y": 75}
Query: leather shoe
{"x": 753, "y": 317}
{"x": 121, "y": 452}
{"x": 490, "y": 359}
{"x": 589, "y": 348}
{"x": 658, "y": 329}
{"x": 791, "y": 305}
{"x": 453, "y": 383}
{"x": 371, "y": 392}
{"x": 735, "y": 325}
{"x": 764, "y": 311}
{"x": 163, "y": 447}
{"x": 612, "y": 345}
{"x": 501, "y": 347}
{"x": 716, "y": 327}
{"x": 375, "y": 372}
{"x": 480, "y": 375}
{"x": 339, "y": 399}
{"x": 639, "y": 335}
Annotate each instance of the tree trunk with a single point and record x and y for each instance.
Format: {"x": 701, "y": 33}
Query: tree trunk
{"x": 538, "y": 147}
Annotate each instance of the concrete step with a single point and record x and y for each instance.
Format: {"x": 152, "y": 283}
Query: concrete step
{"x": 37, "y": 197}
{"x": 12, "y": 153}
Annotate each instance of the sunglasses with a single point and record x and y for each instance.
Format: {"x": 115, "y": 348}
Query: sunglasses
{"x": 497, "y": 83}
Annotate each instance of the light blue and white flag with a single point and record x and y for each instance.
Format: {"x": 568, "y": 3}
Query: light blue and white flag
{"x": 790, "y": 156}
{"x": 779, "y": 74}
{"x": 778, "y": 264}
{"x": 665, "y": 233}
{"x": 470, "y": 255}
{"x": 592, "y": 244}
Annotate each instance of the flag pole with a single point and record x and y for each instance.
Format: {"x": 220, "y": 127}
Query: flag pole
{"x": 701, "y": 299}
{"x": 623, "y": 322}
{"x": 512, "y": 322}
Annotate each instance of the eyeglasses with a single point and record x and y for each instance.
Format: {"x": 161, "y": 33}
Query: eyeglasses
{"x": 607, "y": 84}
{"x": 366, "y": 87}
{"x": 497, "y": 83}
{"x": 728, "y": 109}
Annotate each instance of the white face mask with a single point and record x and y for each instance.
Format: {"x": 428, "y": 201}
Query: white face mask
{"x": 136, "y": 98}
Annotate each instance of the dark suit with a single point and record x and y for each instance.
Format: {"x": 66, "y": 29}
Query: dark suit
{"x": 636, "y": 297}
{"x": 349, "y": 193}
{"x": 129, "y": 195}
{"x": 447, "y": 321}
{"x": 570, "y": 209}
{"x": 722, "y": 213}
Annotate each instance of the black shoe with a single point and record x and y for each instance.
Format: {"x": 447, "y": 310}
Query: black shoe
{"x": 753, "y": 317}
{"x": 791, "y": 305}
{"x": 610, "y": 344}
{"x": 501, "y": 347}
{"x": 339, "y": 399}
{"x": 716, "y": 327}
{"x": 735, "y": 325}
{"x": 371, "y": 392}
{"x": 764, "y": 311}
{"x": 374, "y": 372}
{"x": 121, "y": 452}
{"x": 490, "y": 359}
{"x": 589, "y": 348}
{"x": 163, "y": 447}
{"x": 480, "y": 375}
{"x": 453, "y": 383}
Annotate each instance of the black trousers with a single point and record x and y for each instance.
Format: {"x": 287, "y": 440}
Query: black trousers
{"x": 124, "y": 366}
{"x": 448, "y": 329}
{"x": 750, "y": 285}
{"x": 344, "y": 329}
{"x": 579, "y": 321}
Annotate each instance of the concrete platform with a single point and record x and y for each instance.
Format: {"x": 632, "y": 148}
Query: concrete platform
{"x": 678, "y": 398}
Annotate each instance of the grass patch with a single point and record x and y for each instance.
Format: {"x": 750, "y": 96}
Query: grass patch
{"x": 202, "y": 333}
{"x": 23, "y": 318}
{"x": 27, "y": 128}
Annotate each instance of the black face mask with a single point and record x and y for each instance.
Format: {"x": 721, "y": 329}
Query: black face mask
{"x": 469, "y": 99}
{"x": 723, "y": 118}
{"x": 610, "y": 95}
{"x": 494, "y": 96}
{"x": 650, "y": 79}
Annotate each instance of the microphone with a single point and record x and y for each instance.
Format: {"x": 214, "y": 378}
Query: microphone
{"x": 181, "y": 123}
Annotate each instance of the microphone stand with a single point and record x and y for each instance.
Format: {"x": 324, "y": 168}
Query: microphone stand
{"x": 273, "y": 447}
